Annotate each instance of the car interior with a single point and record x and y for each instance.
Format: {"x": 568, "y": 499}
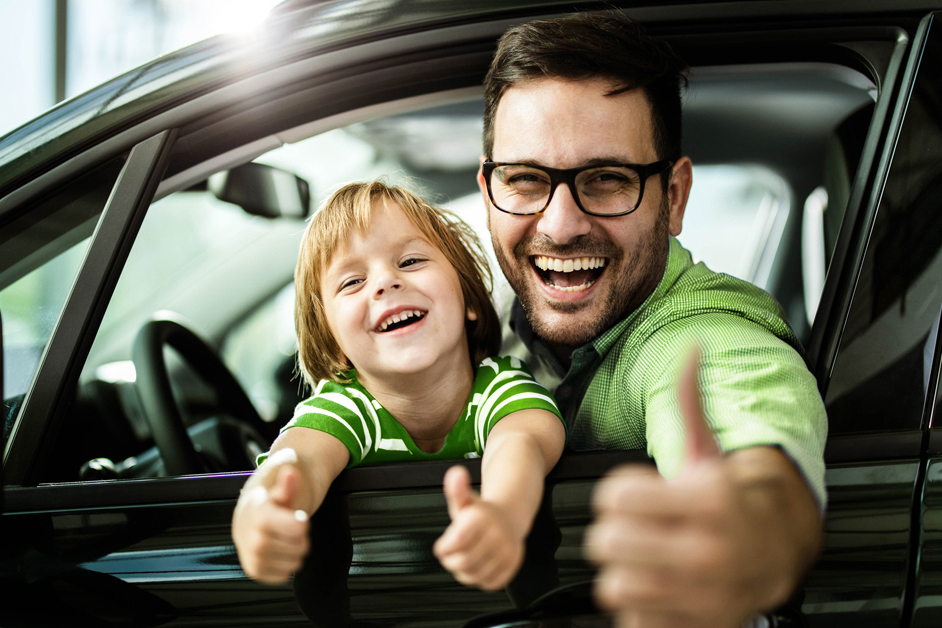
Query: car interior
{"x": 203, "y": 309}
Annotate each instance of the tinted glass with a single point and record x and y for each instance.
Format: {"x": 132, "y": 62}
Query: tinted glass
{"x": 41, "y": 250}
{"x": 882, "y": 369}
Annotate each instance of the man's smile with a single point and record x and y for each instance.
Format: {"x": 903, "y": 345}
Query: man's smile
{"x": 570, "y": 274}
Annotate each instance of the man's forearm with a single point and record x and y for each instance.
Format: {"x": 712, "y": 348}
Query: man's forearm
{"x": 783, "y": 510}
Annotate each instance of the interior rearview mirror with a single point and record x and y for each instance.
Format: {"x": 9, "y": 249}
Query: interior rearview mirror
{"x": 263, "y": 190}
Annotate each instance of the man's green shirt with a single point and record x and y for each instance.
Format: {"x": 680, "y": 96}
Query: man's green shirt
{"x": 620, "y": 391}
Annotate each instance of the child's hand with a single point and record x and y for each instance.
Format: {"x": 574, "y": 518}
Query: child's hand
{"x": 269, "y": 531}
{"x": 480, "y": 547}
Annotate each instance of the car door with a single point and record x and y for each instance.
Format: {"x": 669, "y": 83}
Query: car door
{"x": 882, "y": 382}
{"x": 911, "y": 241}
{"x": 157, "y": 551}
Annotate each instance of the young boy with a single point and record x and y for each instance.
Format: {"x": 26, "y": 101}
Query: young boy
{"x": 396, "y": 334}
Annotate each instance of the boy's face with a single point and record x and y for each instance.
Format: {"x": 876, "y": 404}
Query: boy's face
{"x": 393, "y": 302}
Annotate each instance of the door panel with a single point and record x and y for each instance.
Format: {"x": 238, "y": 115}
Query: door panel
{"x": 927, "y": 608}
{"x": 884, "y": 374}
{"x": 860, "y": 579}
{"x": 169, "y": 559}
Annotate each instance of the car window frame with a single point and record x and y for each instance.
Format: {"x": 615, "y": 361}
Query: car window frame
{"x": 29, "y": 443}
{"x": 889, "y": 118}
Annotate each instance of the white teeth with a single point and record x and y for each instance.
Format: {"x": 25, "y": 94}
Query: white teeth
{"x": 567, "y": 266}
{"x": 574, "y": 288}
{"x": 397, "y": 318}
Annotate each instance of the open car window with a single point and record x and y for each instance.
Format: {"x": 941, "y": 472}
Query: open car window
{"x": 226, "y": 274}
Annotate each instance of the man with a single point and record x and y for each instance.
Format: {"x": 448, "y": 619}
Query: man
{"x": 586, "y": 187}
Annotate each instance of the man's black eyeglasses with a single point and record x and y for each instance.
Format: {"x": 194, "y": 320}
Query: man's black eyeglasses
{"x": 607, "y": 190}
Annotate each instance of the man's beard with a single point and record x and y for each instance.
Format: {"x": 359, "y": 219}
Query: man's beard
{"x": 627, "y": 292}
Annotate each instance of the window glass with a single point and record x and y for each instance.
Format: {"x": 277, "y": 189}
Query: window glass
{"x": 881, "y": 372}
{"x": 30, "y": 308}
{"x": 41, "y": 250}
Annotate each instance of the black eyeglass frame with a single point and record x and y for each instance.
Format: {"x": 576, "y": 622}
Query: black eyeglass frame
{"x": 568, "y": 176}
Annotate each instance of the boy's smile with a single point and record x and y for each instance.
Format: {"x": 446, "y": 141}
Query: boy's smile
{"x": 402, "y": 317}
{"x": 394, "y": 303}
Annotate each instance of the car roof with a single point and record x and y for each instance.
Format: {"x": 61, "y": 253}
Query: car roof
{"x": 297, "y": 31}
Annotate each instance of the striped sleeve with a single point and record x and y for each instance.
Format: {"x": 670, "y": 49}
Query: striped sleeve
{"x": 505, "y": 385}
{"x": 340, "y": 412}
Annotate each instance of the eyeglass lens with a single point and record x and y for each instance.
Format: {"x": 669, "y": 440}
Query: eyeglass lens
{"x": 524, "y": 189}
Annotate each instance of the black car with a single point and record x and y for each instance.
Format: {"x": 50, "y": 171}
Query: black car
{"x": 164, "y": 210}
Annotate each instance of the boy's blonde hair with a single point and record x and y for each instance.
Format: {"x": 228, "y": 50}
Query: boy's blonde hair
{"x": 349, "y": 211}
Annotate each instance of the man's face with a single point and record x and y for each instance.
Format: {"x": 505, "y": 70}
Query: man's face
{"x": 568, "y": 124}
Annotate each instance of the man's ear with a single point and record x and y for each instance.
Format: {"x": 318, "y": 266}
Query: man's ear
{"x": 678, "y": 191}
{"x": 482, "y": 185}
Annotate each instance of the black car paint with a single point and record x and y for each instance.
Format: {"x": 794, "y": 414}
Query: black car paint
{"x": 149, "y": 552}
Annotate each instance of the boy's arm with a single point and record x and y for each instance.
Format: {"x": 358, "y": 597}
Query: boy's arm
{"x": 270, "y": 522}
{"x": 484, "y": 544}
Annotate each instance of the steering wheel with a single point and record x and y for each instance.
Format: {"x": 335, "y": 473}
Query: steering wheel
{"x": 239, "y": 432}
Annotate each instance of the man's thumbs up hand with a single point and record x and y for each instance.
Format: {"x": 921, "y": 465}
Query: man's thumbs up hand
{"x": 678, "y": 552}
{"x": 479, "y": 547}
{"x": 700, "y": 444}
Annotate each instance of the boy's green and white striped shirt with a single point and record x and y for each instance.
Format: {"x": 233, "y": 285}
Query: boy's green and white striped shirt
{"x": 349, "y": 412}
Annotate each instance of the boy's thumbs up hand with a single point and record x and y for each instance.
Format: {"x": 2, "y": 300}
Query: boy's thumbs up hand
{"x": 285, "y": 490}
{"x": 269, "y": 530}
{"x": 458, "y": 491}
{"x": 479, "y": 547}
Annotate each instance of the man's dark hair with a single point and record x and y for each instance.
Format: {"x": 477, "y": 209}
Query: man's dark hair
{"x": 610, "y": 46}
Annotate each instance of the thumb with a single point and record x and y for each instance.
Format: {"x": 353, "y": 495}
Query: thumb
{"x": 699, "y": 444}
{"x": 457, "y": 488}
{"x": 286, "y": 487}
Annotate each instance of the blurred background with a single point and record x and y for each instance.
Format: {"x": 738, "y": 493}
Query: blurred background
{"x": 52, "y": 50}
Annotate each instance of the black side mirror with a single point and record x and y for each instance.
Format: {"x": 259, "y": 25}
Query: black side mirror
{"x": 263, "y": 191}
